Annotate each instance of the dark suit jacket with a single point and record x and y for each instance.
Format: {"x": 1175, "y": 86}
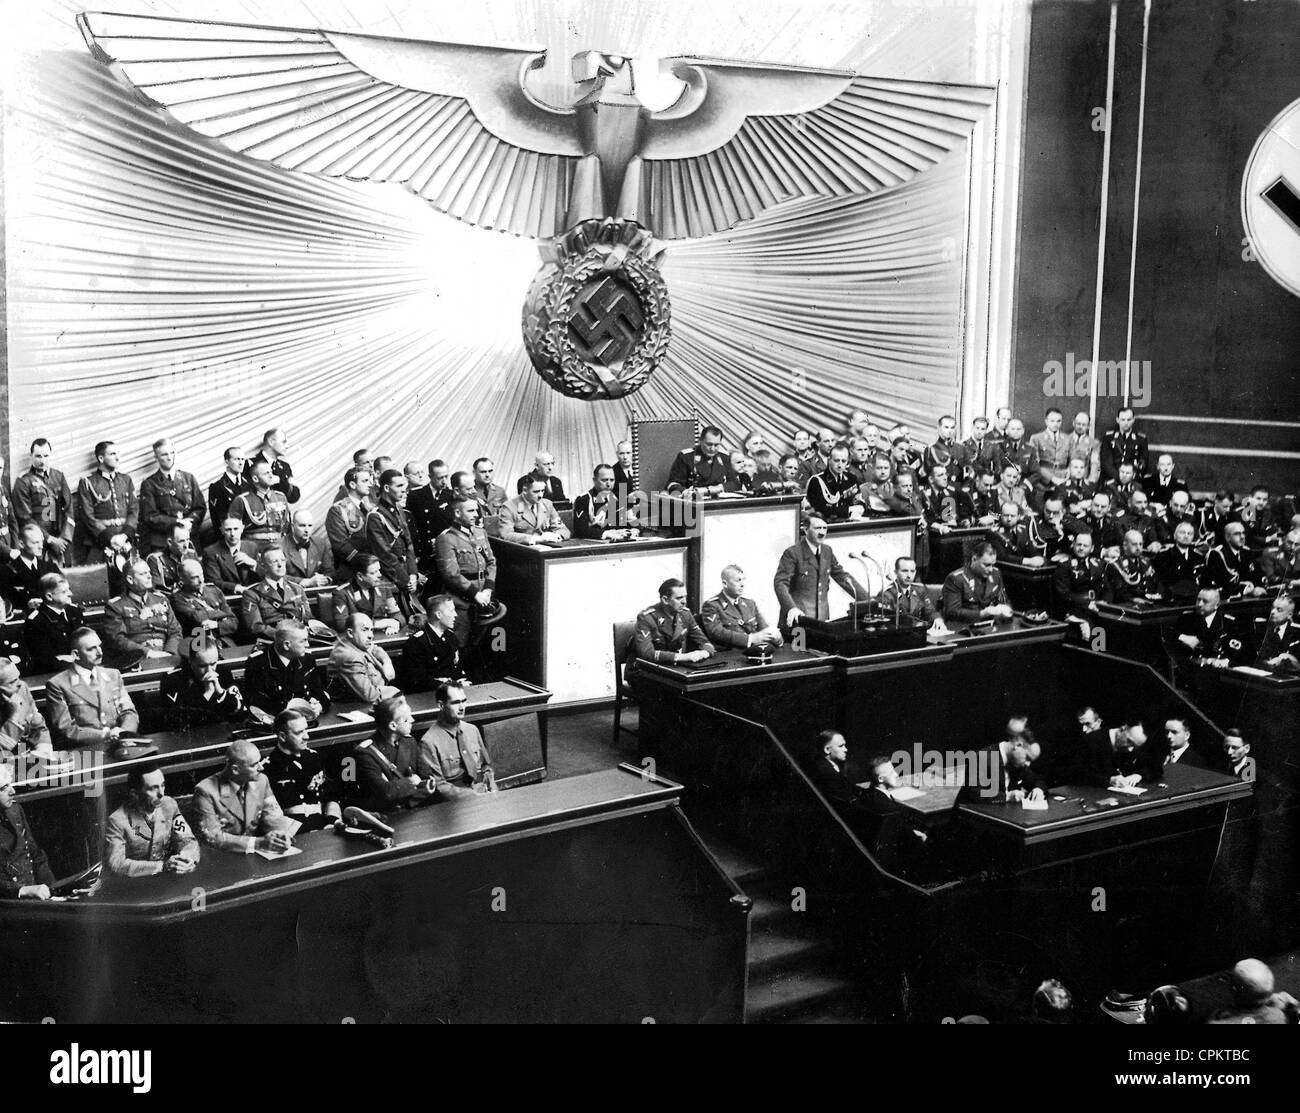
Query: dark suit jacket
{"x": 270, "y": 685}
{"x": 803, "y": 580}
{"x": 319, "y": 558}
{"x": 19, "y": 584}
{"x": 1106, "y": 762}
{"x": 219, "y": 567}
{"x": 832, "y": 782}
{"x": 48, "y": 633}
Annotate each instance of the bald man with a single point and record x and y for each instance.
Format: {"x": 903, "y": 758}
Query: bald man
{"x": 236, "y": 809}
{"x": 1253, "y": 997}
{"x": 308, "y": 560}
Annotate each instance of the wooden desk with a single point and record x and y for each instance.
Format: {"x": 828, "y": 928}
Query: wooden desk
{"x": 1028, "y": 589}
{"x": 584, "y": 899}
{"x": 1137, "y": 632}
{"x": 152, "y": 669}
{"x": 564, "y": 600}
{"x": 751, "y": 532}
{"x": 952, "y": 550}
{"x": 885, "y": 539}
{"x": 1266, "y": 709}
{"x": 67, "y": 812}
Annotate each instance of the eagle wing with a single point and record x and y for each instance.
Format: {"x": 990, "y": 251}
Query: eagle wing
{"x": 452, "y": 122}
{"x": 745, "y": 136}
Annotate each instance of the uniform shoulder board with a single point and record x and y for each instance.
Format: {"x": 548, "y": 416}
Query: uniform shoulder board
{"x": 116, "y": 599}
{"x": 647, "y": 613}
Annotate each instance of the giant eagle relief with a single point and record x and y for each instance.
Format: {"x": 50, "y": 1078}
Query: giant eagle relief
{"x": 598, "y": 182}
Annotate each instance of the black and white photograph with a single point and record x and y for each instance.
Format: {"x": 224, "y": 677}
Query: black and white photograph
{"x": 643, "y": 512}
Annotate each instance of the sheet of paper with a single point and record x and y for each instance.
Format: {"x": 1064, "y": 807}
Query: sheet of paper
{"x": 904, "y": 792}
{"x": 1250, "y": 671}
{"x": 271, "y": 854}
{"x": 356, "y": 717}
{"x": 1033, "y": 805}
{"x": 1128, "y": 791}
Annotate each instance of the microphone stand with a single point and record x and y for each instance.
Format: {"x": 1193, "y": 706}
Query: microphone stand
{"x": 863, "y": 558}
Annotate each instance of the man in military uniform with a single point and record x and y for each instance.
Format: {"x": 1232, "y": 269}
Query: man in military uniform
{"x": 454, "y": 749}
{"x": 431, "y": 654}
{"x": 345, "y": 521}
{"x": 20, "y": 579}
{"x": 236, "y": 809}
{"x": 8, "y": 522}
{"x": 1121, "y": 488}
{"x": 47, "y": 631}
{"x": 148, "y": 835}
{"x": 1181, "y": 509}
{"x": 297, "y": 776}
{"x": 1161, "y": 486}
{"x": 389, "y": 537}
{"x": 466, "y": 566}
{"x": 1207, "y": 636}
{"x": 1262, "y": 521}
{"x": 284, "y": 671}
{"x": 88, "y": 706}
{"x": 1053, "y": 449}
{"x": 530, "y": 518}
{"x": 729, "y": 618}
{"x": 165, "y": 565}
{"x": 263, "y": 510}
{"x": 106, "y": 504}
{"x": 168, "y": 496}
{"x": 878, "y": 494}
{"x": 24, "y": 869}
{"x": 391, "y": 772}
{"x": 308, "y": 560}
{"x": 785, "y": 480}
{"x": 140, "y": 623}
{"x": 832, "y": 493}
{"x": 199, "y": 691}
{"x": 986, "y": 503}
{"x": 702, "y": 469}
{"x": 1014, "y": 449}
{"x": 981, "y": 451}
{"x": 228, "y": 487}
{"x": 1123, "y": 445}
{"x": 599, "y": 514}
{"x": 624, "y": 481}
{"x": 667, "y": 633}
{"x": 976, "y": 592}
{"x": 491, "y": 497}
{"x": 1082, "y": 445}
{"x": 1215, "y": 518}
{"x": 544, "y": 469}
{"x": 275, "y": 443}
{"x": 1277, "y": 639}
{"x": 944, "y": 506}
{"x": 42, "y": 496}
{"x": 1001, "y": 420}
{"x": 946, "y": 452}
{"x": 905, "y": 596}
{"x": 231, "y": 563}
{"x": 1011, "y": 488}
{"x": 1179, "y": 567}
{"x": 1229, "y": 566}
{"x": 1079, "y": 583}
{"x": 202, "y": 606}
{"x": 428, "y": 513}
{"x": 1155, "y": 533}
{"x": 272, "y": 600}
{"x": 21, "y": 725}
{"x": 1131, "y": 576}
{"x": 1279, "y": 565}
{"x": 804, "y": 574}
{"x": 1106, "y": 531}
{"x": 805, "y": 451}
{"x": 359, "y": 670}
{"x": 368, "y": 593}
{"x": 1013, "y": 539}
{"x": 1050, "y": 532}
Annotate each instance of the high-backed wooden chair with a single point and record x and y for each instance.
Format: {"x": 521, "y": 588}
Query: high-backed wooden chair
{"x": 89, "y": 583}
{"x": 624, "y": 633}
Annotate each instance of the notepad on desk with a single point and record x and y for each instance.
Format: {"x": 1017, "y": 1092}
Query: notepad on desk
{"x": 903, "y": 793}
{"x": 1127, "y": 791}
{"x": 356, "y": 717}
{"x": 1029, "y": 804}
{"x": 271, "y": 854}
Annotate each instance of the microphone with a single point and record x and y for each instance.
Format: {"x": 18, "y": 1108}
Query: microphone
{"x": 868, "y": 561}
